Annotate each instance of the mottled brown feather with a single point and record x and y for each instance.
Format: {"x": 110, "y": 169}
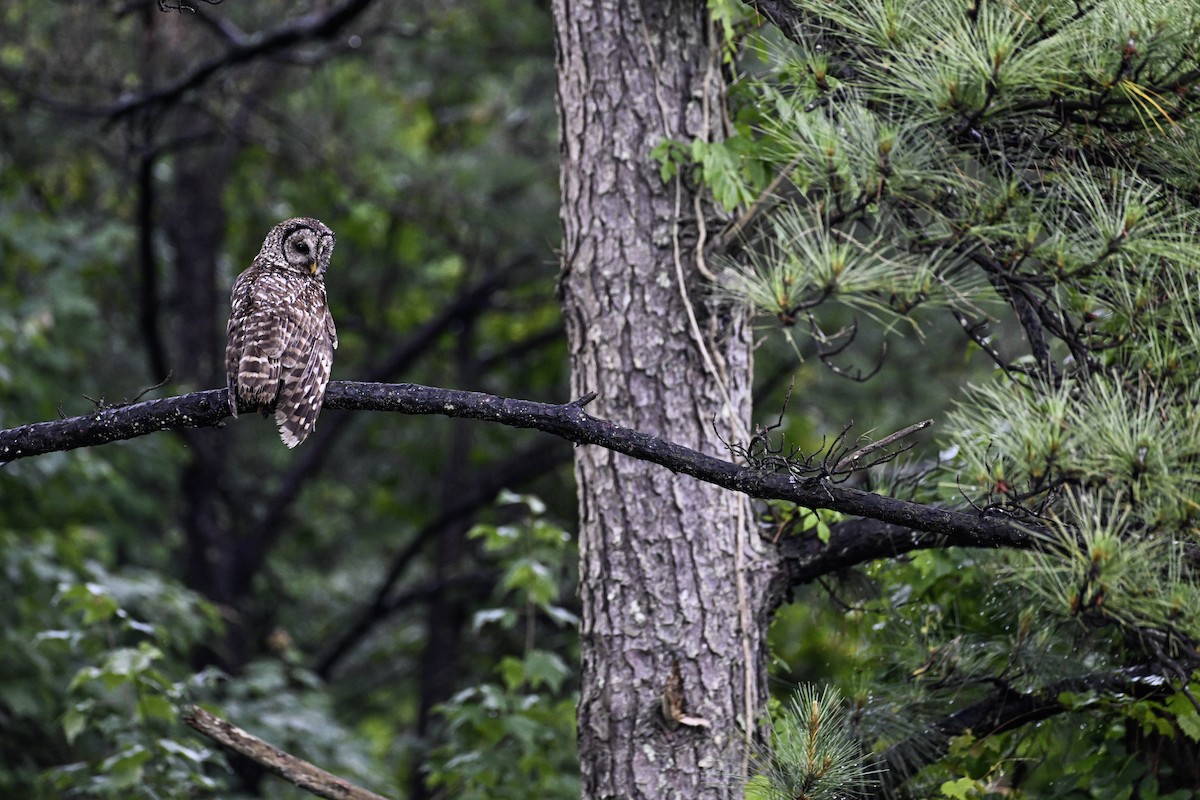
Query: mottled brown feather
{"x": 281, "y": 336}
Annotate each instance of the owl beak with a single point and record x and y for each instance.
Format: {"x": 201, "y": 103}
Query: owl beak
{"x": 312, "y": 267}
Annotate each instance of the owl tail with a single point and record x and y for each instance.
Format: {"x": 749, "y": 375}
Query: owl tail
{"x": 297, "y": 422}
{"x": 300, "y": 399}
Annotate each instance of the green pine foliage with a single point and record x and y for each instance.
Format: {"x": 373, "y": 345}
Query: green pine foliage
{"x": 1028, "y": 171}
{"x": 814, "y": 754}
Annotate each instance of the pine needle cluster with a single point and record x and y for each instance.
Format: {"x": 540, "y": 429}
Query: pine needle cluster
{"x": 814, "y": 756}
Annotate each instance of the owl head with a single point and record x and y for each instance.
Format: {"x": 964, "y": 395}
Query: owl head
{"x": 300, "y": 244}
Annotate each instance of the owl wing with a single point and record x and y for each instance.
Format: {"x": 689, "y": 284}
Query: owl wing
{"x": 331, "y": 328}
{"x": 239, "y": 307}
{"x": 306, "y": 363}
{"x": 259, "y": 328}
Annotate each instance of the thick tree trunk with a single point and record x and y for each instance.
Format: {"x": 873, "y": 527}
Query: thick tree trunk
{"x": 669, "y": 571}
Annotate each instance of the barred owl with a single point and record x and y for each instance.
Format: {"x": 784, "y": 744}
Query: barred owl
{"x": 281, "y": 335}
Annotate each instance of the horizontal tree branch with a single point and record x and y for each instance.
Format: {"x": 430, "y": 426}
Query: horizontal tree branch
{"x": 851, "y": 542}
{"x": 294, "y": 770}
{"x": 568, "y": 421}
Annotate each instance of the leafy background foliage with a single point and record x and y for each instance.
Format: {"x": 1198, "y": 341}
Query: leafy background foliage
{"x": 416, "y": 137}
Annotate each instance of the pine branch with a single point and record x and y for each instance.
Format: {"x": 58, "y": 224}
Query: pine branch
{"x": 1007, "y": 709}
{"x": 851, "y": 542}
{"x": 568, "y": 421}
{"x": 294, "y": 770}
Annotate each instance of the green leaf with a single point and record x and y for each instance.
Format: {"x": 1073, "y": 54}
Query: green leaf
{"x": 127, "y": 662}
{"x": 559, "y": 615}
{"x": 670, "y": 155}
{"x": 720, "y": 167}
{"x": 543, "y": 668}
{"x": 125, "y": 768}
{"x": 962, "y": 788}
{"x": 1189, "y": 724}
{"x": 155, "y": 706}
{"x": 83, "y": 675}
{"x": 193, "y": 754}
{"x": 76, "y": 720}
{"x": 1186, "y": 716}
{"x": 512, "y": 671}
{"x": 92, "y": 600}
{"x": 533, "y": 578}
{"x": 503, "y": 617}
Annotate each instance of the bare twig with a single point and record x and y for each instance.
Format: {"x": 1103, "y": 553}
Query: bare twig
{"x": 101, "y": 403}
{"x": 849, "y": 459}
{"x": 293, "y": 770}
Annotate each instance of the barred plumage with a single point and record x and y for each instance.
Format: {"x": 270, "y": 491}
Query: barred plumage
{"x": 281, "y": 334}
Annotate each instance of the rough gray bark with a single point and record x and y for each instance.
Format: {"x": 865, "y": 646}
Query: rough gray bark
{"x": 669, "y": 574}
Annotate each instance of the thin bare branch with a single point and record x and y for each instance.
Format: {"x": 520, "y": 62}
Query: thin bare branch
{"x": 850, "y": 459}
{"x": 294, "y": 770}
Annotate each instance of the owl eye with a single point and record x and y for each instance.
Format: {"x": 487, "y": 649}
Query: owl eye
{"x": 302, "y": 247}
